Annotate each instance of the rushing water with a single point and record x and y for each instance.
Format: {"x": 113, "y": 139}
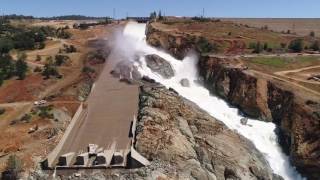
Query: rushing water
{"x": 260, "y": 133}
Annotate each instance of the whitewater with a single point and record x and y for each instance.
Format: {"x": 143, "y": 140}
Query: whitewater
{"x": 262, "y": 134}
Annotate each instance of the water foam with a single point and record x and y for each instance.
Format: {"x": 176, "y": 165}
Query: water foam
{"x": 260, "y": 133}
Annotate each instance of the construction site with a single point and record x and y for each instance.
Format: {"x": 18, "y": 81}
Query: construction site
{"x": 100, "y": 134}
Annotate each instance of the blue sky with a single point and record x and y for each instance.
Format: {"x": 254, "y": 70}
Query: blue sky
{"x": 213, "y": 8}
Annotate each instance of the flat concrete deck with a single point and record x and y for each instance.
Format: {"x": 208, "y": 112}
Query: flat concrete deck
{"x": 111, "y": 107}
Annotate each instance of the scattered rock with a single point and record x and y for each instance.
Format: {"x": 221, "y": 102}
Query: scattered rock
{"x": 244, "y": 121}
{"x": 33, "y": 129}
{"x": 185, "y": 82}
{"x": 149, "y": 80}
{"x": 160, "y": 66}
{"x": 126, "y": 70}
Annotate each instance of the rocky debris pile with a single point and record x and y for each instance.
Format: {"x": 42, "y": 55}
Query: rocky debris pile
{"x": 190, "y": 143}
{"x": 126, "y": 70}
{"x": 160, "y": 66}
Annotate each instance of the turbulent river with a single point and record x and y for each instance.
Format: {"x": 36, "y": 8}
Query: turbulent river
{"x": 260, "y": 133}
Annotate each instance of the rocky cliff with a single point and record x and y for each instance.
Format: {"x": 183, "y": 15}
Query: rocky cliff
{"x": 297, "y": 117}
{"x": 184, "y": 142}
{"x": 177, "y": 44}
{"x": 190, "y": 144}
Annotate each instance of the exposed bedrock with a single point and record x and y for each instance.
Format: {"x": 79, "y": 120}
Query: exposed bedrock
{"x": 176, "y": 132}
{"x": 297, "y": 116}
{"x": 298, "y": 121}
{"x": 159, "y": 65}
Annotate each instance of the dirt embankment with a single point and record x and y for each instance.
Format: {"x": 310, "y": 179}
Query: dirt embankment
{"x": 296, "y": 113}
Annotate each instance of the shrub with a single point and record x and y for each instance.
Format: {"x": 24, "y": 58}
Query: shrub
{"x": 252, "y": 45}
{"x": 312, "y": 34}
{"x": 50, "y": 70}
{"x": 88, "y": 69}
{"x": 69, "y": 49}
{"x": 2, "y": 111}
{"x": 38, "y": 58}
{"x": 265, "y": 46}
{"x": 21, "y": 66}
{"x": 62, "y": 33}
{"x": 26, "y": 118}
{"x": 258, "y": 48}
{"x": 204, "y": 46}
{"x": 315, "y": 46}
{"x": 44, "y": 112}
{"x": 60, "y": 59}
{"x": 13, "y": 168}
{"x": 96, "y": 57}
{"x": 37, "y": 69}
{"x": 296, "y": 45}
{"x": 6, "y": 45}
{"x": 283, "y": 45}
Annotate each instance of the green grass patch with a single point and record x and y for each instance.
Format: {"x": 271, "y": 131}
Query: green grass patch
{"x": 282, "y": 62}
{"x": 269, "y": 61}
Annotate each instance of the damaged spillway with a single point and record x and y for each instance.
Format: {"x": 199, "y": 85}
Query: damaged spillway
{"x": 186, "y": 82}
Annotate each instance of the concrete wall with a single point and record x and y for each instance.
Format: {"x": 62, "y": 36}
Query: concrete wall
{"x": 65, "y": 160}
{"x": 133, "y": 153}
{"x": 82, "y": 159}
{"x": 53, "y": 155}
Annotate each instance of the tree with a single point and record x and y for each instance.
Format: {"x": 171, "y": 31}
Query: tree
{"x": 153, "y": 15}
{"x": 13, "y": 168}
{"x": 72, "y": 49}
{"x": 21, "y": 66}
{"x": 204, "y": 46}
{"x": 252, "y": 45}
{"x": 265, "y": 46}
{"x": 315, "y": 46}
{"x": 38, "y": 58}
{"x": 1, "y": 79}
{"x": 312, "y": 34}
{"x": 7, "y": 67}
{"x": 50, "y": 69}
{"x": 296, "y": 45}
{"x": 5, "y": 45}
{"x": 283, "y": 45}
{"x": 160, "y": 17}
{"x": 60, "y": 59}
{"x": 258, "y": 48}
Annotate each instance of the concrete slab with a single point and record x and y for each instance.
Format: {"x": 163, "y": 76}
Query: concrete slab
{"x": 66, "y": 159}
{"x": 110, "y": 109}
{"x": 82, "y": 159}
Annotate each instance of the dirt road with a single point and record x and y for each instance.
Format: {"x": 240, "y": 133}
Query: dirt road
{"x": 294, "y": 84}
{"x": 15, "y": 104}
{"x": 285, "y": 74}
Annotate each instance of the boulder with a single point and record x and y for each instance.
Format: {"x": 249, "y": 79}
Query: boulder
{"x": 126, "y": 70}
{"x": 185, "y": 82}
{"x": 244, "y": 121}
{"x": 159, "y": 65}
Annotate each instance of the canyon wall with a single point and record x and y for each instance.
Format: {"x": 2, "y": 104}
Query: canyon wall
{"x": 297, "y": 118}
{"x": 190, "y": 144}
